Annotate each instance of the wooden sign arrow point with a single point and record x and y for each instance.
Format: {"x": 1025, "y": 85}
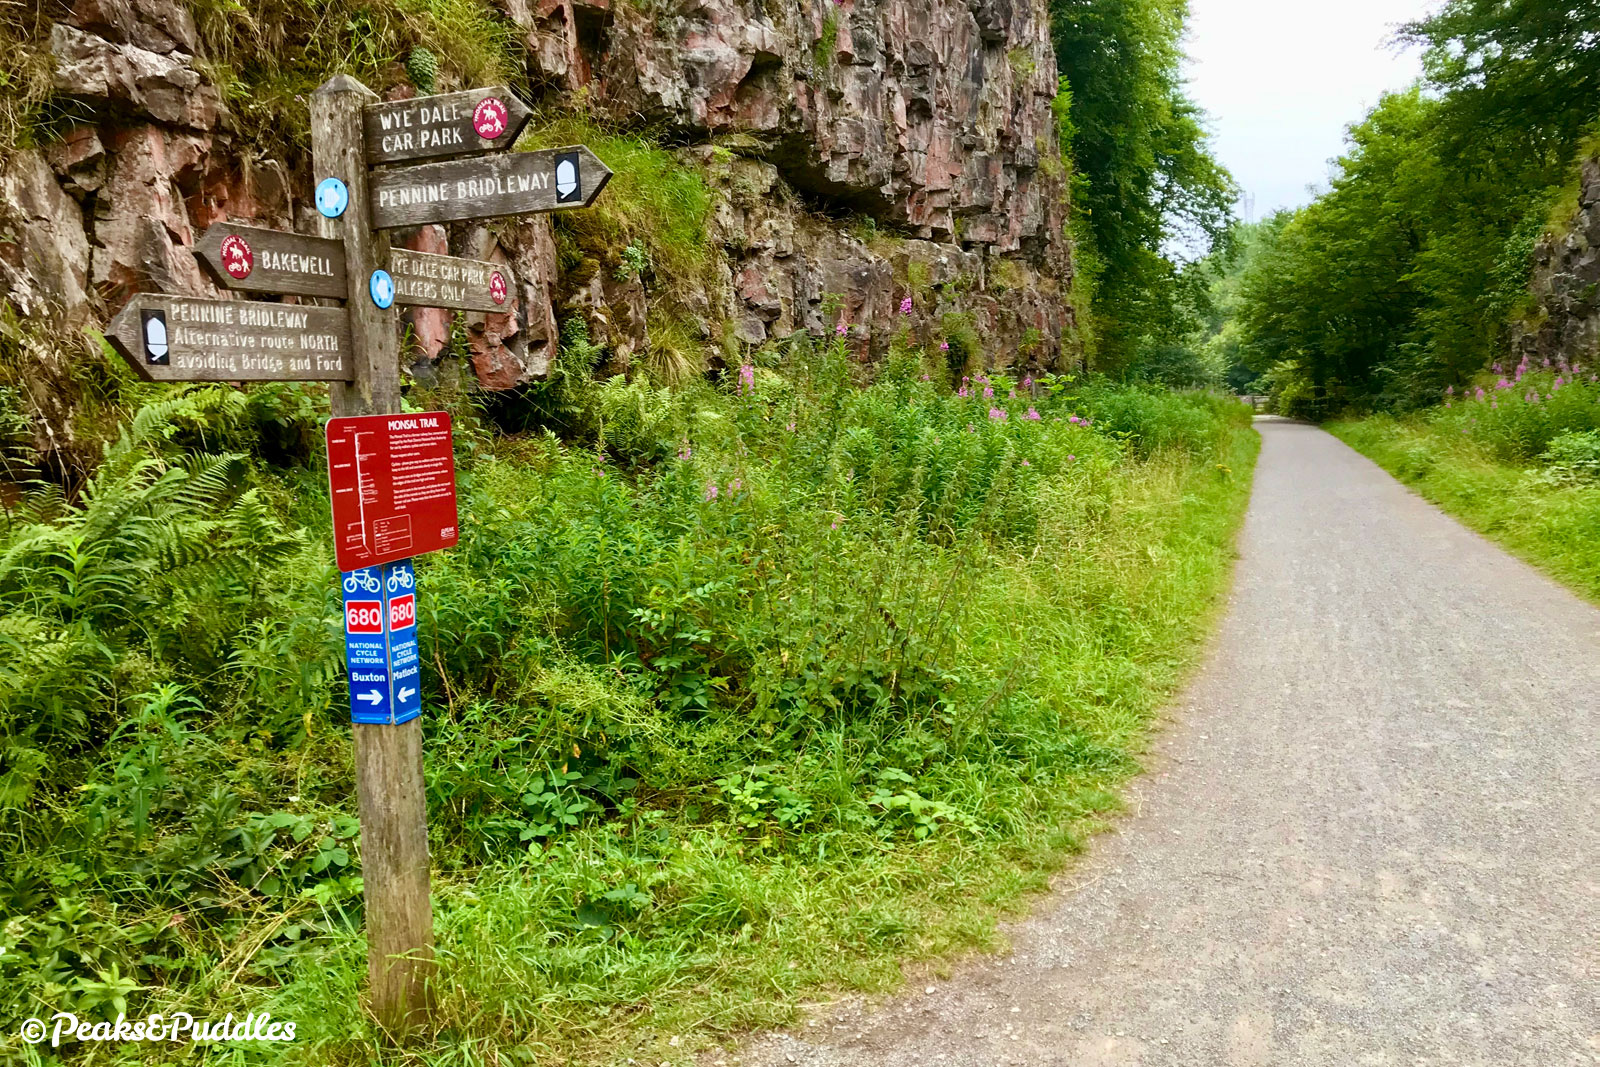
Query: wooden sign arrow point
{"x": 449, "y": 124}
{"x": 523, "y": 183}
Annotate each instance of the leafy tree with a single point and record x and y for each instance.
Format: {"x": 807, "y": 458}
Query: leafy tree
{"x": 1530, "y": 68}
{"x": 1398, "y": 282}
{"x": 1149, "y": 182}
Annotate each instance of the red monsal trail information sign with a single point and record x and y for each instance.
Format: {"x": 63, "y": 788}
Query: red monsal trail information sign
{"x": 392, "y": 479}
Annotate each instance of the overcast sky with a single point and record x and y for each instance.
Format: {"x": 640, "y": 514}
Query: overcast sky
{"x": 1282, "y": 78}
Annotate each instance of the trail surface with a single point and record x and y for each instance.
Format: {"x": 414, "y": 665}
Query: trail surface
{"x": 1370, "y": 836}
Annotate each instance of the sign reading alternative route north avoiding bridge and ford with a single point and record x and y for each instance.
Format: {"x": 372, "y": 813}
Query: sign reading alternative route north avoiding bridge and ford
{"x": 188, "y": 339}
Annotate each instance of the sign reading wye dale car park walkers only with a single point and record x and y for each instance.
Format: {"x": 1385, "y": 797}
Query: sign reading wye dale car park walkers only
{"x": 423, "y": 279}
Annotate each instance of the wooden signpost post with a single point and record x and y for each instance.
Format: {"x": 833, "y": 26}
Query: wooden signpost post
{"x": 356, "y": 348}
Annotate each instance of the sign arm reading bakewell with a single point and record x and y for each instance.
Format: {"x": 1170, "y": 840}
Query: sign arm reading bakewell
{"x": 391, "y": 475}
{"x": 252, "y": 259}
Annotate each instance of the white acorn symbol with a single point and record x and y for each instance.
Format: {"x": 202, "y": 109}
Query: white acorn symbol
{"x": 155, "y": 338}
{"x": 566, "y": 178}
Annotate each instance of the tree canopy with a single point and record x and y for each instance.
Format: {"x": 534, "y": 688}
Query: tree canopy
{"x": 1149, "y": 187}
{"x": 1399, "y": 280}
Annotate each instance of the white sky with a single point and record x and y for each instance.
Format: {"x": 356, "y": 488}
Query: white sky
{"x": 1281, "y": 79}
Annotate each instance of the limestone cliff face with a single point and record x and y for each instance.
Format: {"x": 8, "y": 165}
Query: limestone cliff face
{"x": 1566, "y": 284}
{"x": 930, "y": 118}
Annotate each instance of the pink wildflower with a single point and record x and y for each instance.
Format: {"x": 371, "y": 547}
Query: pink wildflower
{"x": 1032, "y": 415}
{"x": 988, "y": 391}
{"x": 997, "y": 413}
{"x": 842, "y": 329}
{"x": 747, "y": 379}
{"x": 944, "y": 346}
{"x": 711, "y": 491}
{"x": 905, "y": 306}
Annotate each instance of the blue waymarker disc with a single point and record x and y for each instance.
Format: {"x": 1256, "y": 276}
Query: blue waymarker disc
{"x": 381, "y": 286}
{"x": 332, "y": 197}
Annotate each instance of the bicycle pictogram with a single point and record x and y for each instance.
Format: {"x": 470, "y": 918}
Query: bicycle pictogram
{"x": 401, "y": 578}
{"x": 363, "y": 580}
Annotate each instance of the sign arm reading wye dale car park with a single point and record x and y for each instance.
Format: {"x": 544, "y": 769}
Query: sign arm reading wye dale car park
{"x": 450, "y": 124}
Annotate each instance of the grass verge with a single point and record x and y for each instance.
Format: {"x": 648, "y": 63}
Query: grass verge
{"x": 763, "y": 689}
{"x": 1551, "y": 521}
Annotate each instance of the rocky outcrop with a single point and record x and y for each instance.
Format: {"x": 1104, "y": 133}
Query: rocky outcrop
{"x": 865, "y": 157}
{"x": 1566, "y": 284}
{"x": 930, "y": 117}
{"x": 44, "y": 253}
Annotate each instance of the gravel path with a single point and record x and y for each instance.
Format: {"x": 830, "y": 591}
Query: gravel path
{"x": 1370, "y": 836}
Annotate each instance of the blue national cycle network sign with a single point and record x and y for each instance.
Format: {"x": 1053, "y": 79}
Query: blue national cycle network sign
{"x": 380, "y": 643}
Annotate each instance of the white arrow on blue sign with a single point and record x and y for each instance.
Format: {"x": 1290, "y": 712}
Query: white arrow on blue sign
{"x": 380, "y": 642}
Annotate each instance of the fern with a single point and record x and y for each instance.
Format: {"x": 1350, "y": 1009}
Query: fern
{"x": 157, "y": 543}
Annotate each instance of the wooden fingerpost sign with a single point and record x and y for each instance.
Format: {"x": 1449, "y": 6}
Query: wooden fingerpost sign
{"x": 388, "y": 757}
{"x": 392, "y": 475}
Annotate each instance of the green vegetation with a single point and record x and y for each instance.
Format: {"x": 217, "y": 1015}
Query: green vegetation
{"x": 650, "y": 224}
{"x": 736, "y": 692}
{"x": 1146, "y": 179}
{"x": 1401, "y": 279}
{"x": 822, "y": 51}
{"x": 747, "y": 693}
{"x": 267, "y": 56}
{"x": 1520, "y": 463}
